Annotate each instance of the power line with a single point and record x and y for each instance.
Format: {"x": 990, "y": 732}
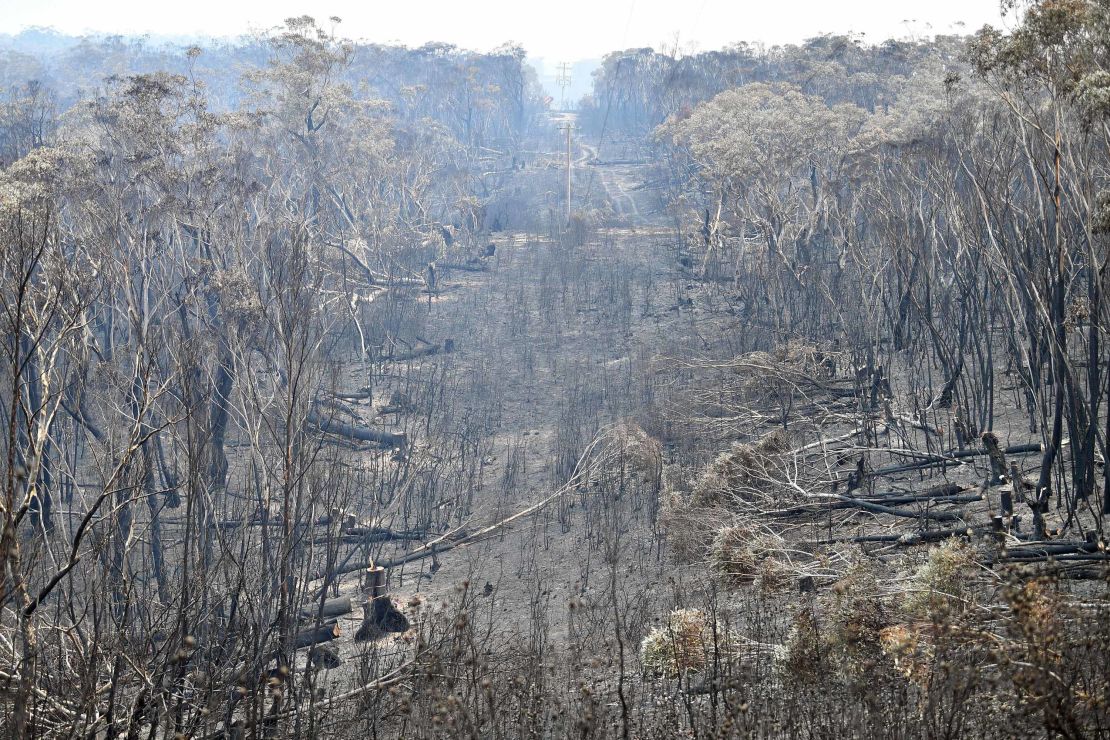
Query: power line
{"x": 609, "y": 101}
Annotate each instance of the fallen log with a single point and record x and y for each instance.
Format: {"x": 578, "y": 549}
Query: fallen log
{"x": 474, "y": 266}
{"x": 361, "y": 433}
{"x": 861, "y": 539}
{"x": 1027, "y": 549}
{"x": 361, "y": 533}
{"x": 965, "y": 498}
{"x": 316, "y": 635}
{"x": 360, "y": 395}
{"x": 955, "y": 457}
{"x": 939, "y": 516}
{"x": 331, "y": 608}
{"x": 944, "y": 493}
{"x": 461, "y": 537}
{"x": 1073, "y": 557}
{"x": 909, "y": 539}
{"x": 390, "y": 679}
{"x": 840, "y": 505}
{"x": 365, "y": 535}
{"x": 447, "y": 347}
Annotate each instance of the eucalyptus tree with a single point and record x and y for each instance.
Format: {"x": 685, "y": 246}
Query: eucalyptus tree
{"x": 771, "y": 165}
{"x": 1053, "y": 74}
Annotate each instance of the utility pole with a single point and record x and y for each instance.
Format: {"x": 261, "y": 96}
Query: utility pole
{"x": 562, "y": 79}
{"x": 568, "y": 128}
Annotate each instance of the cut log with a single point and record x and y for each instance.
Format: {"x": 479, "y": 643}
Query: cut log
{"x": 360, "y": 395}
{"x": 332, "y": 608}
{"x": 361, "y": 433}
{"x": 447, "y": 347}
{"x": 316, "y": 635}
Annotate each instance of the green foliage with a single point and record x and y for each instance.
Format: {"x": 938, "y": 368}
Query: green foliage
{"x": 1093, "y": 94}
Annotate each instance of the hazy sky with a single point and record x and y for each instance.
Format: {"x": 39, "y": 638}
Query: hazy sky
{"x": 572, "y": 29}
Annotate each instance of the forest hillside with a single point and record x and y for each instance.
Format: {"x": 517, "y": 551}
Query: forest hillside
{"x": 350, "y": 390}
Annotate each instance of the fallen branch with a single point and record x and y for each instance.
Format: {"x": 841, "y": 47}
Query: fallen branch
{"x": 824, "y": 442}
{"x": 451, "y": 540}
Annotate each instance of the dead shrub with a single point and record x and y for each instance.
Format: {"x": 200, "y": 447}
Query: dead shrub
{"x": 847, "y": 643}
{"x": 640, "y": 455}
{"x": 944, "y": 584}
{"x": 801, "y": 658}
{"x": 744, "y": 471}
{"x": 581, "y": 227}
{"x": 688, "y": 529}
{"x": 910, "y": 650}
{"x": 689, "y": 641}
{"x": 742, "y": 554}
{"x": 857, "y": 616}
